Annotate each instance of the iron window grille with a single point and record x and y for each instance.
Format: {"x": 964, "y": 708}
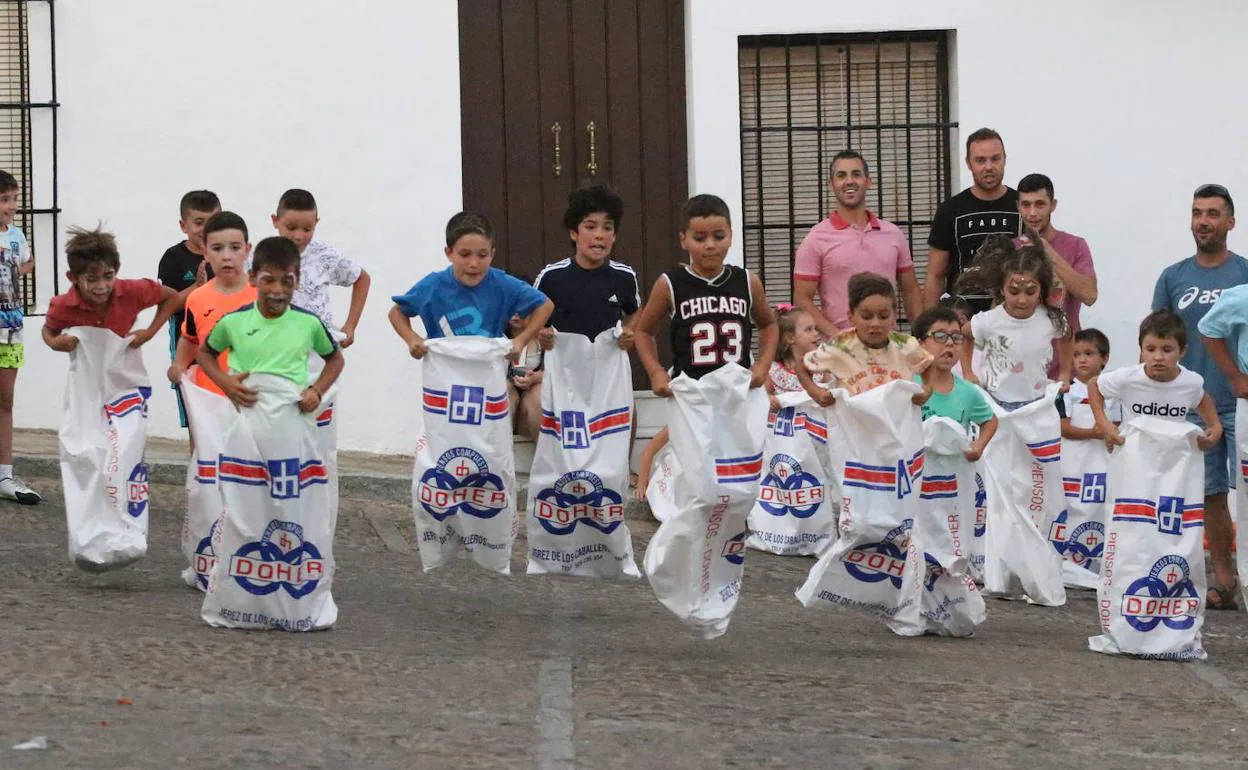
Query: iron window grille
{"x": 806, "y": 97}
{"x": 17, "y": 128}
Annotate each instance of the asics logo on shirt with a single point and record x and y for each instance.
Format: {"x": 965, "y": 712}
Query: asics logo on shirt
{"x": 1159, "y": 410}
{"x": 1194, "y": 294}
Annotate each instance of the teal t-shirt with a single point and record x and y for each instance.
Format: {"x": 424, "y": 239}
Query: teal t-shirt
{"x": 964, "y": 404}
{"x": 278, "y": 346}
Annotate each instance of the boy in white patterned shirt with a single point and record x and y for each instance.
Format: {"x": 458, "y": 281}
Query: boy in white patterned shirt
{"x": 321, "y": 265}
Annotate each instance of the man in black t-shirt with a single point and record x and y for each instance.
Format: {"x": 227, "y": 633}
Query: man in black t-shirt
{"x": 183, "y": 266}
{"x": 962, "y": 223}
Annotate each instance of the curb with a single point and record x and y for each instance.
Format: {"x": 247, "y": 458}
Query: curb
{"x": 382, "y": 487}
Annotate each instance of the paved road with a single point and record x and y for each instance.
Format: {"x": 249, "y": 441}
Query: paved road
{"x": 462, "y": 669}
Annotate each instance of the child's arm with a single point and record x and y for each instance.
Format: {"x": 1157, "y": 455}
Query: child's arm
{"x": 170, "y": 302}
{"x": 1103, "y": 425}
{"x": 658, "y": 305}
{"x": 403, "y": 327}
{"x": 1065, "y": 354}
{"x": 1221, "y": 355}
{"x": 532, "y": 325}
{"x": 183, "y": 357}
{"x": 986, "y": 431}
{"x": 231, "y": 385}
{"x": 359, "y": 295}
{"x": 1213, "y": 430}
{"x": 1080, "y": 434}
{"x": 821, "y": 396}
{"x": 312, "y": 395}
{"x": 628, "y": 335}
{"x": 59, "y": 341}
{"x": 768, "y": 332}
{"x": 646, "y": 464}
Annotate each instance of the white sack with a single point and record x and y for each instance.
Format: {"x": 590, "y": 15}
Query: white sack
{"x": 696, "y": 558}
{"x": 1151, "y": 599}
{"x": 796, "y": 510}
{"x": 978, "y": 531}
{"x": 1022, "y": 476}
{"x": 274, "y": 543}
{"x": 1079, "y": 532}
{"x": 327, "y": 428}
{"x": 951, "y": 604}
{"x": 876, "y": 565}
{"x": 1241, "y": 497}
{"x": 212, "y": 417}
{"x": 463, "y": 484}
{"x": 579, "y": 475}
{"x": 102, "y": 439}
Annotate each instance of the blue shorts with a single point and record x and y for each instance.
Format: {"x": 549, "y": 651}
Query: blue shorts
{"x": 1220, "y": 460}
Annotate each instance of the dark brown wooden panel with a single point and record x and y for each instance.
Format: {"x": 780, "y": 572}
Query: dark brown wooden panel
{"x": 554, "y": 52}
{"x": 521, "y": 252}
{"x": 623, "y": 143}
{"x": 589, "y": 85}
{"x": 484, "y": 164}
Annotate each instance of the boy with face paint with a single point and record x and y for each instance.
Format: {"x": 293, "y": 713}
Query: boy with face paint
{"x": 271, "y": 336}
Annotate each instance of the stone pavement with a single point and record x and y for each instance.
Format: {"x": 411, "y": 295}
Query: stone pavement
{"x": 463, "y": 669}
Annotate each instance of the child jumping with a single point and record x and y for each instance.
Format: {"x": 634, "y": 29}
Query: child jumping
{"x": 873, "y": 353}
{"x": 1091, "y": 354}
{"x": 938, "y": 330}
{"x": 15, "y": 261}
{"x": 1016, "y": 340}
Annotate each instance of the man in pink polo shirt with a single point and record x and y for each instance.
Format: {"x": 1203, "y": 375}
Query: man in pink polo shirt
{"x": 851, "y": 240}
{"x": 1069, "y": 254}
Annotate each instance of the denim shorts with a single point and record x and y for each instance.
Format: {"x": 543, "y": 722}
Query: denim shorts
{"x": 1221, "y": 462}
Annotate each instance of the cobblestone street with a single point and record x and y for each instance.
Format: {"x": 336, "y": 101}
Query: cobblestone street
{"x": 459, "y": 669}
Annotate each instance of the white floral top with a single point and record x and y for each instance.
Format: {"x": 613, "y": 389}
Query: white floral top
{"x": 322, "y": 266}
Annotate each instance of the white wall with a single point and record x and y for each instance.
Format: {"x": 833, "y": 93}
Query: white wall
{"x": 1127, "y": 106}
{"x": 357, "y": 102}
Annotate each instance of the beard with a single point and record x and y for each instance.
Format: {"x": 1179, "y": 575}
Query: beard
{"x": 1212, "y": 245}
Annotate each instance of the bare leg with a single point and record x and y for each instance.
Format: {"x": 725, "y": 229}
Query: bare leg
{"x": 531, "y": 413}
{"x": 1221, "y": 535}
{"x": 8, "y": 381}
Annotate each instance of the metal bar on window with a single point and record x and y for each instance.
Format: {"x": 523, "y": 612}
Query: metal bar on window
{"x": 879, "y": 132}
{"x": 849, "y": 96}
{"x": 758, "y": 155}
{"x": 788, "y": 143}
{"x": 909, "y": 157}
{"x": 819, "y": 125}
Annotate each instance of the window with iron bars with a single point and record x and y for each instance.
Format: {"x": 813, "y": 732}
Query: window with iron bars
{"x": 806, "y": 97}
{"x": 17, "y": 119}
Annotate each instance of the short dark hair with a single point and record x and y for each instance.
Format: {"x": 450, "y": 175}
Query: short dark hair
{"x": 295, "y": 199}
{"x": 198, "y": 200}
{"x": 1164, "y": 324}
{"x": 1097, "y": 338}
{"x": 224, "y": 220}
{"x": 1216, "y": 191}
{"x": 863, "y": 285}
{"x": 704, "y": 205}
{"x": 89, "y": 247}
{"x": 982, "y": 135}
{"x": 598, "y": 199}
{"x": 932, "y": 316}
{"x": 468, "y": 223}
{"x": 1035, "y": 183}
{"x": 956, "y": 303}
{"x": 275, "y": 251}
{"x": 8, "y": 182}
{"x": 849, "y": 155}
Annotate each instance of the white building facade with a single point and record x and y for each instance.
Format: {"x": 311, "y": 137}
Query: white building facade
{"x": 1127, "y": 106}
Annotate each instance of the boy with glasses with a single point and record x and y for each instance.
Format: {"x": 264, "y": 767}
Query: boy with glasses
{"x": 939, "y": 332}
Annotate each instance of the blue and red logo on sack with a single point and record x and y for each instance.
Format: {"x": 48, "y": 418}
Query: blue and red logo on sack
{"x": 739, "y": 470}
{"x": 465, "y": 404}
{"x": 1046, "y": 451}
{"x": 128, "y": 403}
{"x": 325, "y": 418}
{"x": 461, "y": 482}
{"x": 137, "y": 491}
{"x": 578, "y": 497}
{"x": 933, "y": 573}
{"x": 1166, "y": 596}
{"x": 981, "y": 507}
{"x": 898, "y": 479}
{"x": 1082, "y": 545}
{"x": 734, "y": 549}
{"x": 1171, "y": 515}
{"x": 939, "y": 487}
{"x": 576, "y": 431}
{"x": 787, "y": 421}
{"x": 1089, "y": 488}
{"x": 286, "y": 478}
{"x": 787, "y": 490}
{"x": 206, "y": 555}
{"x": 885, "y": 560}
{"x": 281, "y": 558}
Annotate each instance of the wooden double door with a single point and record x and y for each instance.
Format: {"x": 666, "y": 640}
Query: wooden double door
{"x": 560, "y": 94}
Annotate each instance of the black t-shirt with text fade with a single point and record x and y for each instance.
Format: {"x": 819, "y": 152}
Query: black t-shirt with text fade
{"x": 963, "y": 222}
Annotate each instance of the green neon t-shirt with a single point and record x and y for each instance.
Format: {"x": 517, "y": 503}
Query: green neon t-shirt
{"x": 277, "y": 346}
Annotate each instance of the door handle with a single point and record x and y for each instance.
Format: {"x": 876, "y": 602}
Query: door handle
{"x": 592, "y": 166}
{"x": 555, "y": 129}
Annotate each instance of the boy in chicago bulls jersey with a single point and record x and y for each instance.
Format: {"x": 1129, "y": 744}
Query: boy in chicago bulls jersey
{"x": 712, "y": 306}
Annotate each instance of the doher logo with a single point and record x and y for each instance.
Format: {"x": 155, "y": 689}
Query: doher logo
{"x": 1166, "y": 596}
{"x": 787, "y": 490}
{"x": 578, "y": 497}
{"x": 281, "y": 558}
{"x": 136, "y": 491}
{"x": 461, "y": 482}
{"x": 886, "y": 560}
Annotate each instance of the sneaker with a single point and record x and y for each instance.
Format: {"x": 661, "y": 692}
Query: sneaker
{"x": 13, "y": 489}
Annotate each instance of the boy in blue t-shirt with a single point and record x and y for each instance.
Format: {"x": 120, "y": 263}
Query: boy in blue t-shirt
{"x": 469, "y": 298}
